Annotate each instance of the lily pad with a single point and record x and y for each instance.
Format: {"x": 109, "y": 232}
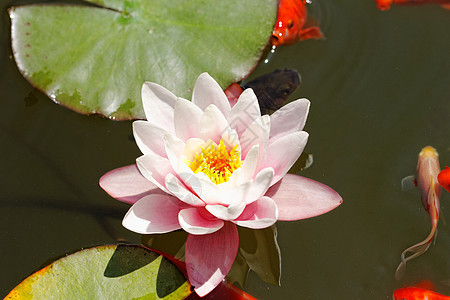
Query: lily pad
{"x": 106, "y": 272}
{"x": 94, "y": 59}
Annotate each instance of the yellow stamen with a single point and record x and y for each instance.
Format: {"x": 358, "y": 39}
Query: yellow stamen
{"x": 216, "y": 162}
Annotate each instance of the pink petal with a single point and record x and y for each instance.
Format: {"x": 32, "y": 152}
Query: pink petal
{"x": 244, "y": 112}
{"x": 177, "y": 189}
{"x": 209, "y": 257}
{"x": 193, "y": 221}
{"x": 187, "y": 119}
{"x": 207, "y": 91}
{"x": 159, "y": 105}
{"x": 284, "y": 152}
{"x": 153, "y": 214}
{"x": 213, "y": 124}
{"x": 259, "y": 214}
{"x": 149, "y": 138}
{"x": 289, "y": 118}
{"x": 155, "y": 168}
{"x": 127, "y": 184}
{"x": 299, "y": 198}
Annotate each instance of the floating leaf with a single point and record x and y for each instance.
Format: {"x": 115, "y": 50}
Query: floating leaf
{"x": 106, "y": 272}
{"x": 94, "y": 59}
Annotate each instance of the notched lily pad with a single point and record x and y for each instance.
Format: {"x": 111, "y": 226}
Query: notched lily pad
{"x": 106, "y": 272}
{"x": 94, "y": 59}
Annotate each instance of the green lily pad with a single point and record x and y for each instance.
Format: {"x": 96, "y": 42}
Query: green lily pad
{"x": 94, "y": 59}
{"x": 106, "y": 272}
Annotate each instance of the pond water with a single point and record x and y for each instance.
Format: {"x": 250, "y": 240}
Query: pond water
{"x": 379, "y": 87}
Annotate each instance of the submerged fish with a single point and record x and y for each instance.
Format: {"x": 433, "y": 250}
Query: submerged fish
{"x": 386, "y": 4}
{"x": 426, "y": 180}
{"x": 290, "y": 26}
{"x": 418, "y": 292}
{"x": 444, "y": 179}
{"x": 272, "y": 89}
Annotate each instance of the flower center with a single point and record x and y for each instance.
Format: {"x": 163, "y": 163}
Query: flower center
{"x": 216, "y": 162}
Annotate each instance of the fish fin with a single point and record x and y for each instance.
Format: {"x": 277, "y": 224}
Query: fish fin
{"x": 445, "y": 5}
{"x": 408, "y": 183}
{"x": 426, "y": 284}
{"x": 310, "y": 33}
{"x": 417, "y": 250}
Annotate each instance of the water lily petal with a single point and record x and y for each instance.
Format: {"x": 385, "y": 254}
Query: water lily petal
{"x": 259, "y": 214}
{"x": 246, "y": 171}
{"x": 155, "y": 168}
{"x": 193, "y": 222}
{"x": 153, "y": 214}
{"x": 226, "y": 213}
{"x": 149, "y": 138}
{"x": 256, "y": 134}
{"x": 127, "y": 184}
{"x": 187, "y": 119}
{"x": 177, "y": 189}
{"x": 284, "y": 152}
{"x": 159, "y": 105}
{"x": 289, "y": 118}
{"x": 209, "y": 257}
{"x": 175, "y": 151}
{"x": 213, "y": 124}
{"x": 245, "y": 112}
{"x": 299, "y": 198}
{"x": 260, "y": 185}
{"x": 207, "y": 91}
{"x": 192, "y": 148}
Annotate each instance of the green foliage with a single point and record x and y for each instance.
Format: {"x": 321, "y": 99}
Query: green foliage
{"x": 94, "y": 59}
{"x": 106, "y": 272}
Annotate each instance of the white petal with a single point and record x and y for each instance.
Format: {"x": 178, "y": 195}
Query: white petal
{"x": 256, "y": 134}
{"x": 289, "y": 118}
{"x": 284, "y": 152}
{"x": 178, "y": 190}
{"x": 247, "y": 169}
{"x": 155, "y": 168}
{"x": 149, "y": 138}
{"x": 213, "y": 124}
{"x": 260, "y": 185}
{"x": 159, "y": 105}
{"x": 187, "y": 119}
{"x": 245, "y": 112}
{"x": 260, "y": 214}
{"x": 192, "y": 148}
{"x": 153, "y": 214}
{"x": 226, "y": 213}
{"x": 207, "y": 91}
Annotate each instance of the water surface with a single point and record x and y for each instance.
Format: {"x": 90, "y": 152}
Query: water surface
{"x": 380, "y": 89}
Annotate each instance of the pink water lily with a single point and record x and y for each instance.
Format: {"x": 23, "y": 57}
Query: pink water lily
{"x": 208, "y": 166}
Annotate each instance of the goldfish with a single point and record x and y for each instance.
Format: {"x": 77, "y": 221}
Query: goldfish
{"x": 444, "y": 179}
{"x": 417, "y": 293}
{"x": 291, "y": 24}
{"x": 272, "y": 89}
{"x": 426, "y": 181}
{"x": 386, "y": 4}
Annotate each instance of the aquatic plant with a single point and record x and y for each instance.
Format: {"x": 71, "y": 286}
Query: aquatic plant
{"x": 207, "y": 167}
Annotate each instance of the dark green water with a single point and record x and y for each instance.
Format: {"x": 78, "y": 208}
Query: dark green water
{"x": 380, "y": 91}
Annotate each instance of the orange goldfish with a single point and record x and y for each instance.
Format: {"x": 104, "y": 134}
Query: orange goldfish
{"x": 426, "y": 180}
{"x": 417, "y": 293}
{"x": 386, "y": 4}
{"x": 444, "y": 179}
{"x": 290, "y": 25}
